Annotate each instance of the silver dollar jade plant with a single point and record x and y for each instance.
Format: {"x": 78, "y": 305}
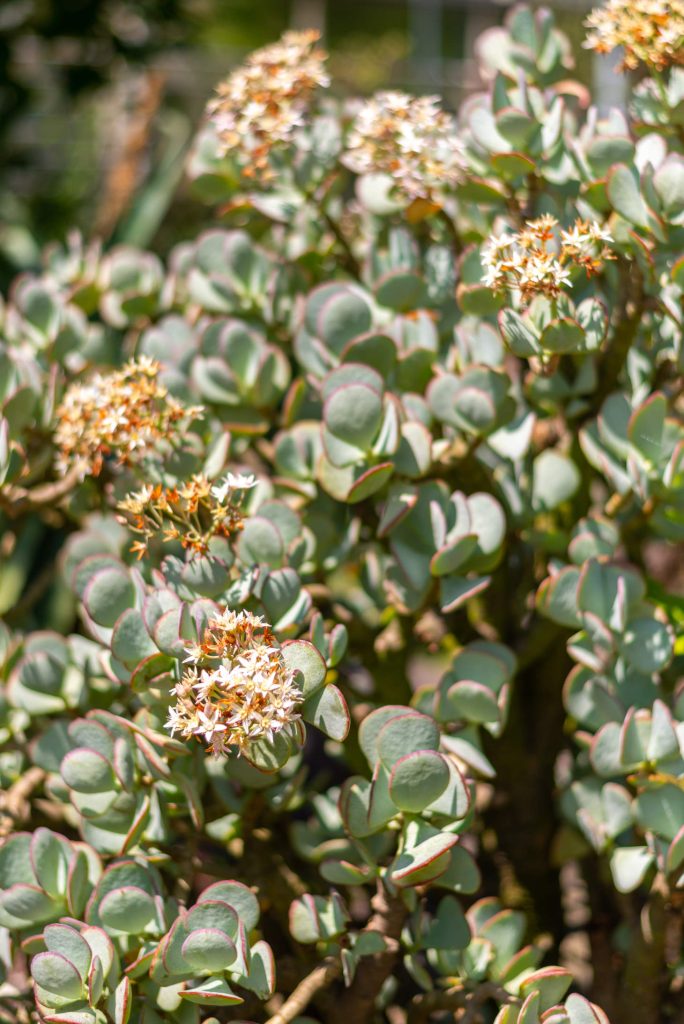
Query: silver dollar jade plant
{"x": 342, "y": 633}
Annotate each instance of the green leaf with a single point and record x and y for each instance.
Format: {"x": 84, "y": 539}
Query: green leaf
{"x": 302, "y": 656}
{"x": 646, "y": 428}
{"x": 208, "y": 949}
{"x": 57, "y": 975}
{"x": 353, "y": 413}
{"x": 108, "y": 594}
{"x": 418, "y": 779}
{"x": 628, "y": 865}
{"x": 327, "y": 710}
{"x": 625, "y": 196}
{"x": 661, "y": 810}
{"x": 448, "y": 929}
{"x": 405, "y": 734}
{"x": 555, "y": 479}
{"x": 87, "y": 771}
{"x": 128, "y": 909}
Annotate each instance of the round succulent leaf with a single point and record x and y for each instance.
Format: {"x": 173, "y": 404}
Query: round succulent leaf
{"x": 269, "y": 755}
{"x": 550, "y": 982}
{"x": 208, "y": 949}
{"x": 22, "y": 905}
{"x": 378, "y": 351}
{"x": 647, "y": 644}
{"x": 353, "y": 413}
{"x": 370, "y": 727}
{"x": 213, "y": 913}
{"x": 343, "y": 316}
{"x": 260, "y": 977}
{"x": 562, "y": 335}
{"x": 417, "y": 779}
{"x": 401, "y": 290}
{"x": 87, "y": 771}
{"x": 625, "y": 196}
{"x": 354, "y": 804}
{"x": 449, "y": 928}
{"x": 238, "y": 896}
{"x": 327, "y": 710}
{"x": 57, "y": 975}
{"x": 424, "y": 862}
{"x": 557, "y": 597}
{"x": 40, "y": 672}
{"x": 469, "y": 700}
{"x": 206, "y": 575}
{"x": 317, "y": 299}
{"x": 555, "y": 478}
{"x": 661, "y": 810}
{"x": 368, "y": 481}
{"x": 520, "y": 333}
{"x": 15, "y": 861}
{"x": 453, "y": 555}
{"x": 50, "y": 856}
{"x": 128, "y": 909}
{"x": 261, "y": 542}
{"x": 406, "y": 734}
{"x": 351, "y": 373}
{"x": 302, "y": 656}
{"x": 130, "y": 640}
{"x": 605, "y": 751}
{"x": 628, "y": 866}
{"x": 462, "y": 873}
{"x": 109, "y": 593}
{"x": 212, "y": 992}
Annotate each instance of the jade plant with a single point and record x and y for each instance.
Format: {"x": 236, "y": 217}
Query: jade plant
{"x": 341, "y": 646}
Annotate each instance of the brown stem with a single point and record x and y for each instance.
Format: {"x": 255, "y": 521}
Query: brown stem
{"x": 464, "y": 1005}
{"x": 319, "y": 978}
{"x": 349, "y": 260}
{"x": 631, "y": 309}
{"x": 14, "y": 804}
{"x": 357, "y": 1002}
{"x": 452, "y": 230}
{"x": 16, "y": 500}
{"x": 644, "y": 976}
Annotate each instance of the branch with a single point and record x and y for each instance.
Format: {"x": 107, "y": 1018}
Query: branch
{"x": 631, "y": 305}
{"x": 14, "y": 804}
{"x": 16, "y": 499}
{"x": 356, "y": 1005}
{"x": 319, "y": 978}
{"x": 464, "y": 1005}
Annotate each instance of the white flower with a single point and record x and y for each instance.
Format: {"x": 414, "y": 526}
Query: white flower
{"x": 233, "y": 482}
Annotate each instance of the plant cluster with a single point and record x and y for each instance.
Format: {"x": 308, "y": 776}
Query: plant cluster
{"x": 340, "y": 624}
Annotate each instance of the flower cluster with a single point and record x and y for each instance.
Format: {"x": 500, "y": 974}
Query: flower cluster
{"x": 523, "y": 262}
{"x": 409, "y": 138}
{"x": 120, "y": 414}
{"x": 264, "y": 101}
{"x": 192, "y": 513}
{"x": 237, "y": 689}
{"x": 650, "y": 32}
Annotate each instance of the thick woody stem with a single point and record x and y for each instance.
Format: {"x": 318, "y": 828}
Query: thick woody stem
{"x": 319, "y": 978}
{"x": 14, "y": 804}
{"x": 358, "y": 1002}
{"x": 16, "y": 500}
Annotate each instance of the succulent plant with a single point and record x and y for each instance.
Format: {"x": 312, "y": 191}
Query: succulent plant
{"x": 341, "y": 644}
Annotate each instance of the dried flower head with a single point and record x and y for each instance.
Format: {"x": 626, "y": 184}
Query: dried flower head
{"x": 193, "y": 513}
{"x": 650, "y": 32}
{"x": 411, "y": 139}
{"x": 263, "y": 102}
{"x": 121, "y": 414}
{"x": 523, "y": 262}
{"x": 237, "y": 689}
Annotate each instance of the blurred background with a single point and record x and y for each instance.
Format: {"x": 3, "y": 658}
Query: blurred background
{"x": 99, "y": 99}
